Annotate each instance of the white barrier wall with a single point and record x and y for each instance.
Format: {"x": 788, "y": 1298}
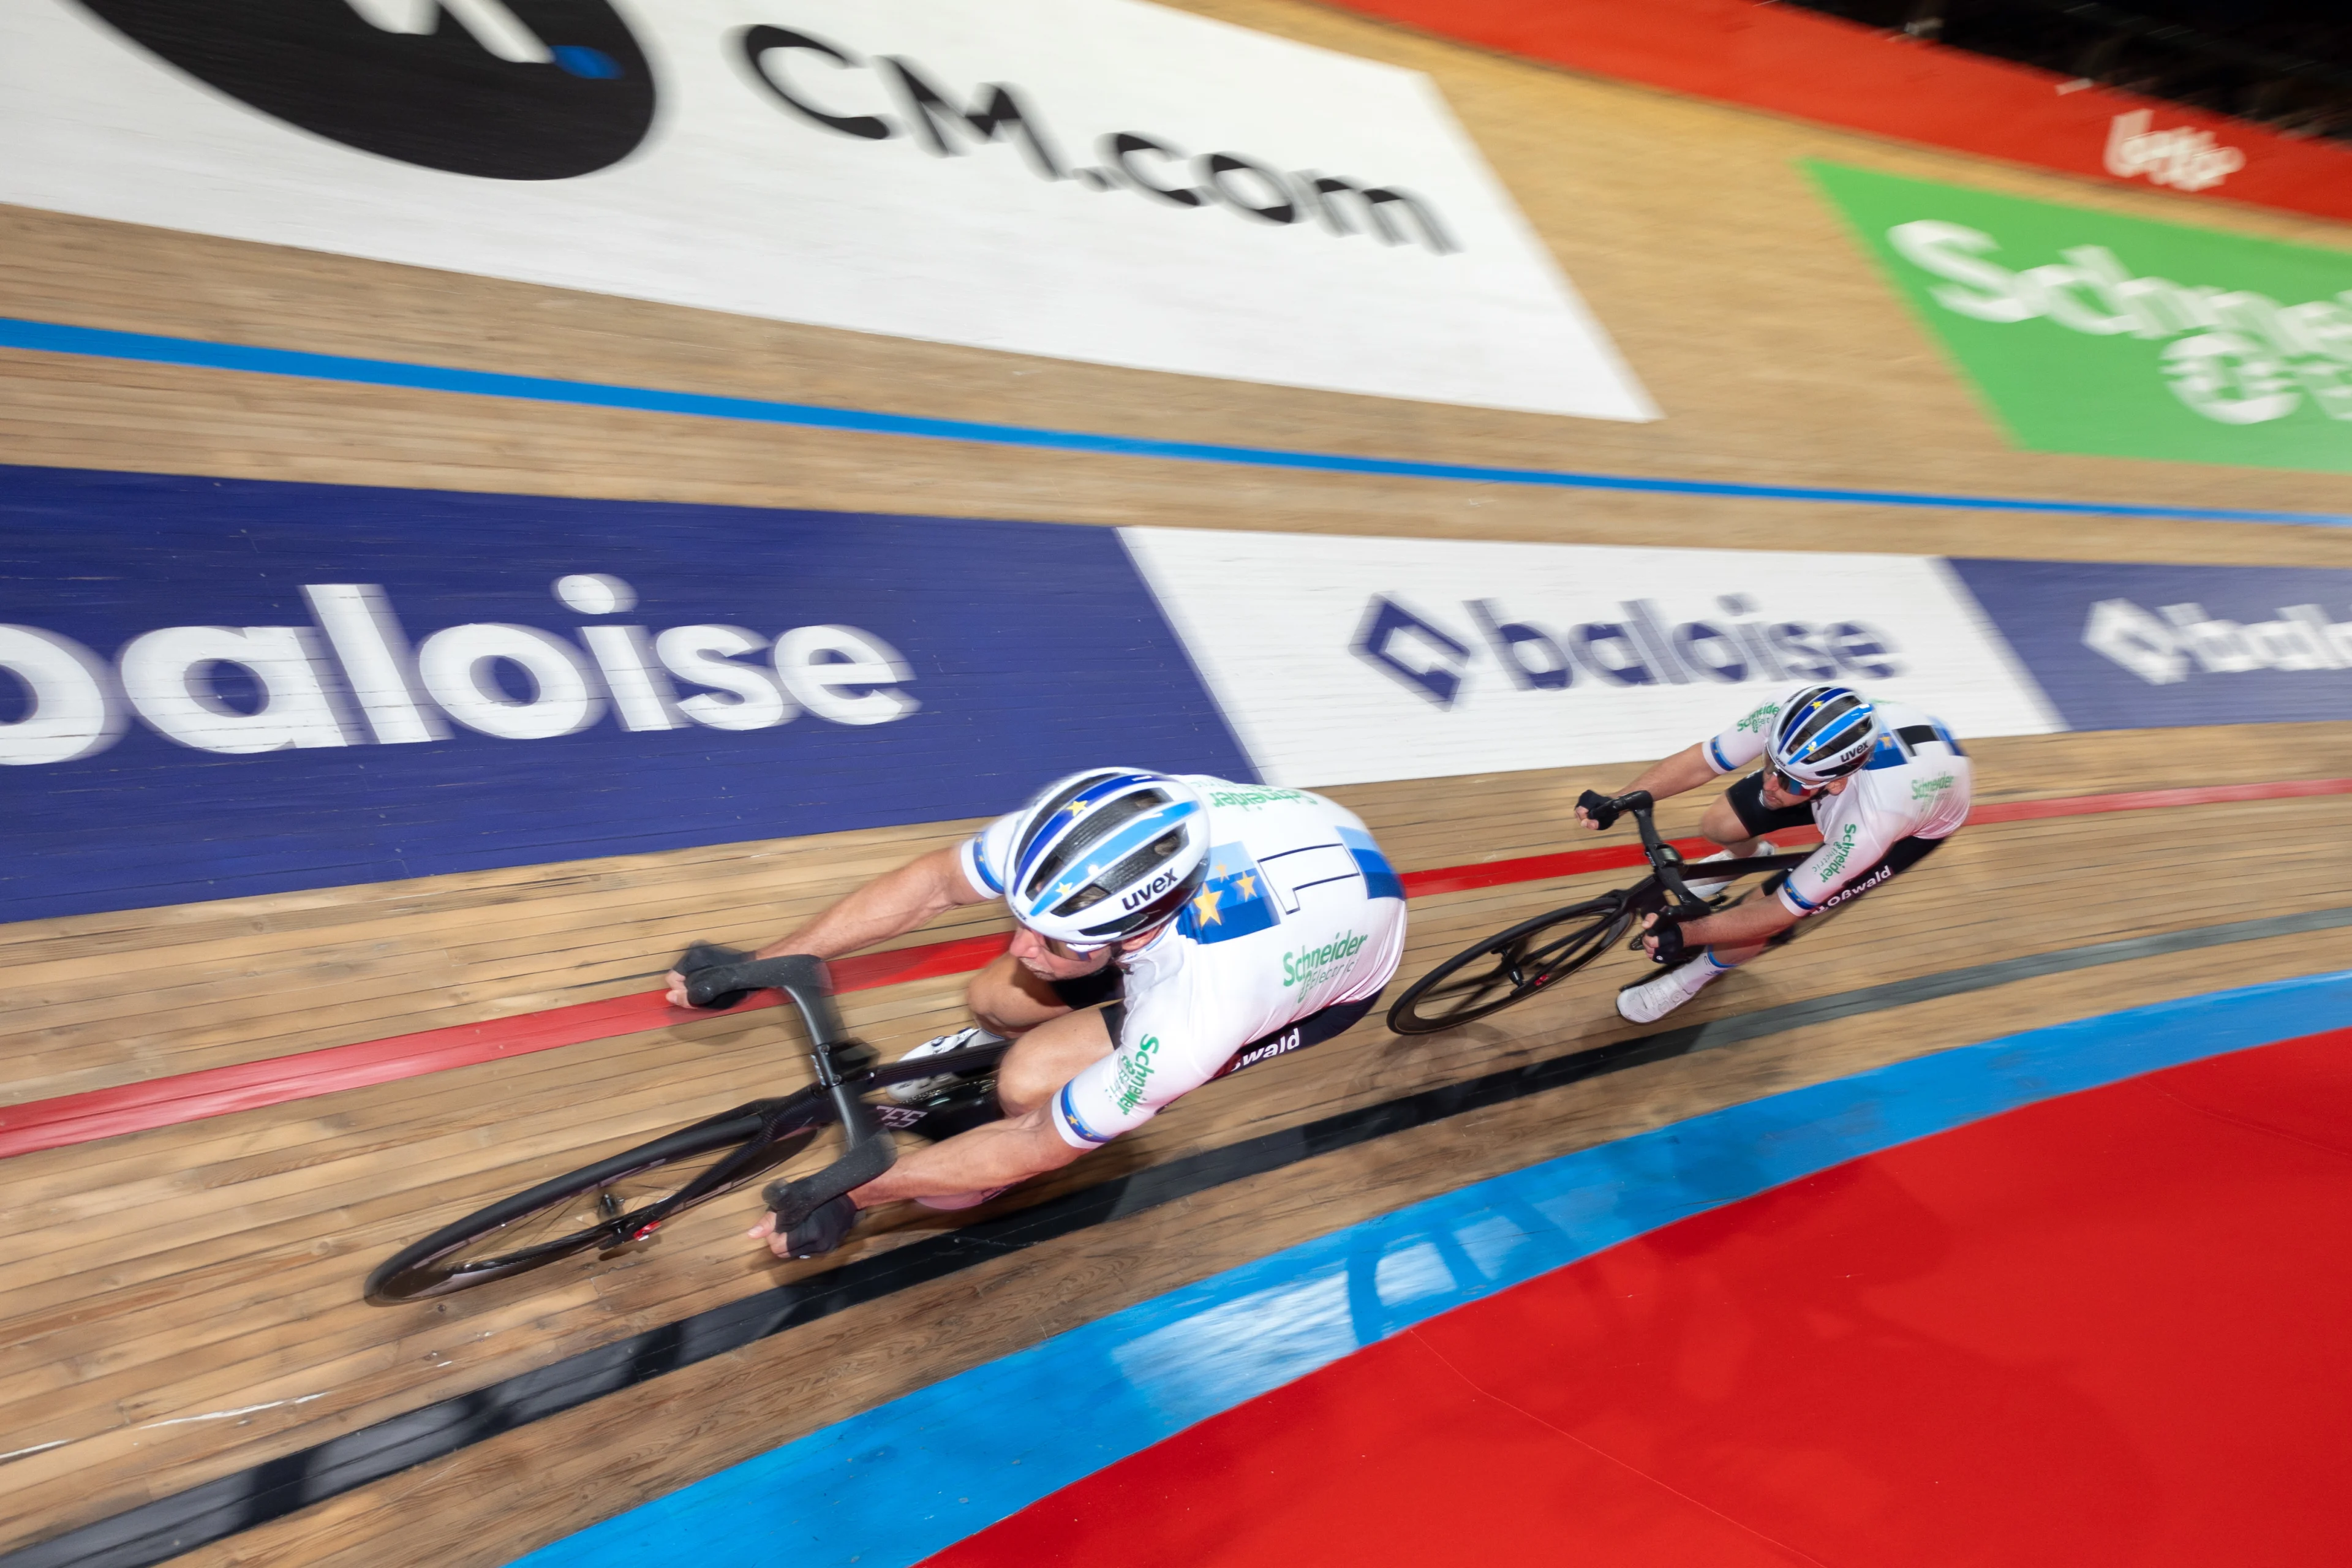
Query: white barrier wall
{"x": 1342, "y": 660}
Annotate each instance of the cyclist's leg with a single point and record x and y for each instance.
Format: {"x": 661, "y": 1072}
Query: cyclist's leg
{"x": 1906, "y": 854}
{"x": 973, "y": 1166}
{"x": 1006, "y": 998}
{"x": 1052, "y": 1054}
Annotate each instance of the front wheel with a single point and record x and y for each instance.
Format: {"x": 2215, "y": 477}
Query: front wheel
{"x": 1509, "y": 965}
{"x": 592, "y": 1207}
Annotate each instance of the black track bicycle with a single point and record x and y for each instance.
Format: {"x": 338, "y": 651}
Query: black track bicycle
{"x": 624, "y": 1199}
{"x": 1515, "y": 963}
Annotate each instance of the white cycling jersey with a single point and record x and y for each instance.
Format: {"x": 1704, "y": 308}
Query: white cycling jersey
{"x": 1915, "y": 785}
{"x": 1300, "y": 913}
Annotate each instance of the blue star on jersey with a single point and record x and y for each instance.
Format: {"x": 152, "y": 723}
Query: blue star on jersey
{"x": 1233, "y": 900}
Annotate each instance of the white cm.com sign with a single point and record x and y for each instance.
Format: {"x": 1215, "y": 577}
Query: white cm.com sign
{"x": 1098, "y": 180}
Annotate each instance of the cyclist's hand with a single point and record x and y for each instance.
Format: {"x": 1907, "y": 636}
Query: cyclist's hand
{"x": 695, "y": 961}
{"x": 1594, "y": 812}
{"x": 1663, "y": 940}
{"x": 765, "y": 1231}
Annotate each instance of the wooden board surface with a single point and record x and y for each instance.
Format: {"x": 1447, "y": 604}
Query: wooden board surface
{"x": 184, "y": 1304}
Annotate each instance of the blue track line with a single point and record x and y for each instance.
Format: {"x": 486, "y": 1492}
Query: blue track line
{"x": 51, "y": 337}
{"x": 890, "y": 1486}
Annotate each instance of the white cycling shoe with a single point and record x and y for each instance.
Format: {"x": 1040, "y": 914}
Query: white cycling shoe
{"x": 915, "y": 1091}
{"x": 1647, "y": 1001}
{"x": 1712, "y": 886}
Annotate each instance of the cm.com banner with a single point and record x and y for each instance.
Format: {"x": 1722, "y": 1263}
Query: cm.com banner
{"x": 2118, "y": 336}
{"x": 1102, "y": 180}
{"x": 212, "y": 687}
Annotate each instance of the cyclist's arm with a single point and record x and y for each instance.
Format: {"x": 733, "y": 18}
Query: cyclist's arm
{"x": 892, "y": 904}
{"x": 1686, "y": 769}
{"x": 1740, "y": 925}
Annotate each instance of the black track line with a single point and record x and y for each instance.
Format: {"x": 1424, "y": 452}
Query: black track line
{"x": 169, "y": 1526}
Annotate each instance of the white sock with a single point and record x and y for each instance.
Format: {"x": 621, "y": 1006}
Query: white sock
{"x": 1708, "y": 887}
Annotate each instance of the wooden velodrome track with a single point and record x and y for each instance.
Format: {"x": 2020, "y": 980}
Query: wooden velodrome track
{"x": 182, "y": 1304}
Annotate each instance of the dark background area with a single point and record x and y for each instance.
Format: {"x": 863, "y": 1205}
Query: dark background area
{"x": 2286, "y": 65}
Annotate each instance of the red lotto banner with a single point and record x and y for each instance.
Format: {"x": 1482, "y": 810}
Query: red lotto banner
{"x": 1818, "y": 68}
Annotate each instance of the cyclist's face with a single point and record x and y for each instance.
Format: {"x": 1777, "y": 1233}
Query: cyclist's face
{"x": 1050, "y": 959}
{"x": 1781, "y": 791}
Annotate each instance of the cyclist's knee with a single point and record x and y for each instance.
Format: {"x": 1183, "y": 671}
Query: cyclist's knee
{"x": 1005, "y": 999}
{"x": 1048, "y": 1057}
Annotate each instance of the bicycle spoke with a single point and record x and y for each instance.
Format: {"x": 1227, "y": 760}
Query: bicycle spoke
{"x": 1506, "y": 967}
{"x": 592, "y": 1209}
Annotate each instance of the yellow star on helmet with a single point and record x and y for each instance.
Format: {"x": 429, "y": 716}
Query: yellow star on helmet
{"x": 1205, "y": 905}
{"x": 1066, "y": 888}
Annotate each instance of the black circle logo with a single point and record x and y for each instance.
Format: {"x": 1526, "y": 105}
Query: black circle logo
{"x": 508, "y": 89}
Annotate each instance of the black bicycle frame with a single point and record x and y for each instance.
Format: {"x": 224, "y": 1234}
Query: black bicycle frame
{"x": 1667, "y": 864}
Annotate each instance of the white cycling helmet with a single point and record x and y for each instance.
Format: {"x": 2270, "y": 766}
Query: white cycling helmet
{"x": 1822, "y": 733}
{"x": 1106, "y": 854}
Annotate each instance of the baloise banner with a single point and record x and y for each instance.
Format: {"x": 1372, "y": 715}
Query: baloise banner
{"x": 2117, "y": 336}
{"x": 212, "y": 687}
{"x": 1099, "y": 180}
{"x": 2121, "y": 646}
{"x": 1350, "y": 660}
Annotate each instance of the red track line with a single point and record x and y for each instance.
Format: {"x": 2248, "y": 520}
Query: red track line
{"x": 71, "y": 1119}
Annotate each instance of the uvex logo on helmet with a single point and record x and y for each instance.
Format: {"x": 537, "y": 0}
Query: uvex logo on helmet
{"x": 1135, "y": 898}
{"x": 506, "y": 90}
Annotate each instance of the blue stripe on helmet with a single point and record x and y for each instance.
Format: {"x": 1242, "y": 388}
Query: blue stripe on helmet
{"x": 1043, "y": 835}
{"x": 1835, "y": 738}
{"x": 1132, "y": 835}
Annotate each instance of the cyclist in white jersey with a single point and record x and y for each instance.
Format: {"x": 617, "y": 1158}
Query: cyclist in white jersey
{"x": 1168, "y": 930}
{"x": 1884, "y": 782}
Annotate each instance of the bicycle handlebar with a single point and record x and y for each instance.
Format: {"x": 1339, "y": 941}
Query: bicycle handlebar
{"x": 868, "y": 1151}
{"x": 1665, "y": 858}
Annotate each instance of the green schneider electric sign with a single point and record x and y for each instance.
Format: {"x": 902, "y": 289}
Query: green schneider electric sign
{"x": 2117, "y": 336}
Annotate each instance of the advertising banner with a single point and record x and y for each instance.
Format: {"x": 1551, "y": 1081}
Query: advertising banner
{"x": 1794, "y": 60}
{"x": 214, "y": 688}
{"x": 2130, "y": 647}
{"x": 1348, "y": 660}
{"x": 2089, "y": 333}
{"x": 1102, "y": 180}
{"x": 211, "y": 688}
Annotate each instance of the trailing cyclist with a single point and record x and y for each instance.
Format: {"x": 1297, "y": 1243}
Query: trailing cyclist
{"x": 1885, "y": 783}
{"x": 1167, "y": 930}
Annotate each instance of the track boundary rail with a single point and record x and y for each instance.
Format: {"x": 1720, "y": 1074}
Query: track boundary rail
{"x": 64, "y": 1120}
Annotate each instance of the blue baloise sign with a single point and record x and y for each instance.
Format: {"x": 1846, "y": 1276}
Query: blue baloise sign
{"x": 217, "y": 688}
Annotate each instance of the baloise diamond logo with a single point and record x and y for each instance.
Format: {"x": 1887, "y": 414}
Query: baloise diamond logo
{"x": 506, "y": 89}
